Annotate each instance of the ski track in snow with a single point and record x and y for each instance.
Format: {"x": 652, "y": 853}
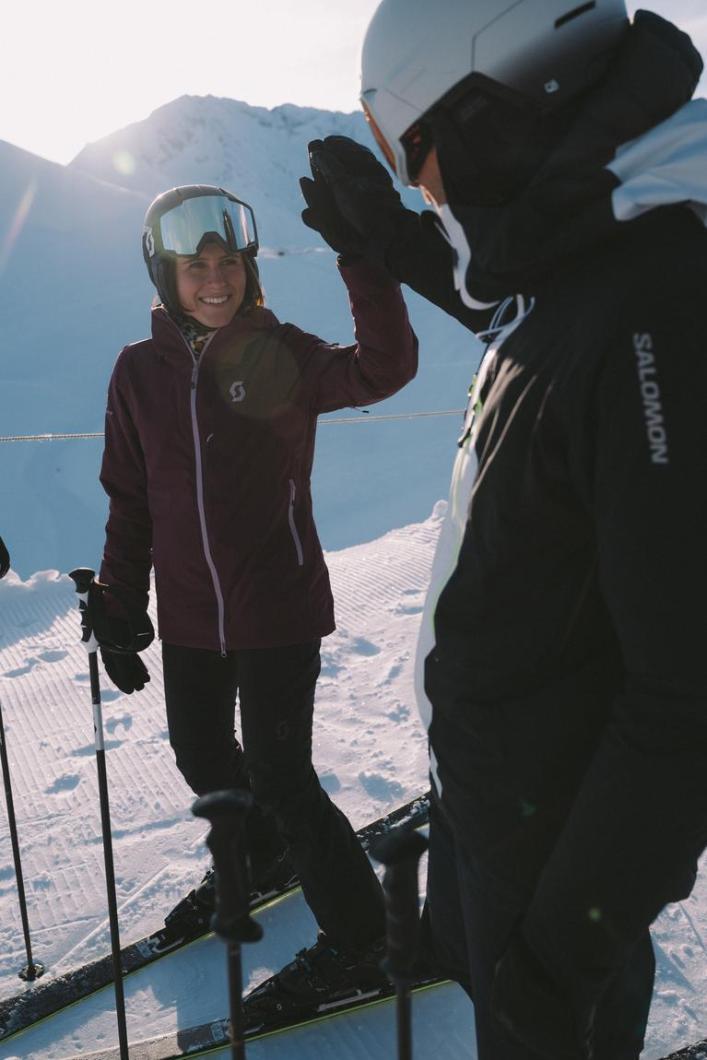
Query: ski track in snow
{"x": 370, "y": 750}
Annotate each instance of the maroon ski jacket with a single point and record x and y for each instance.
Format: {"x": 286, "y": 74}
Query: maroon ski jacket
{"x": 207, "y": 464}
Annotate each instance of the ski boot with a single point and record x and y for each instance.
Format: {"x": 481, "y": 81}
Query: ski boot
{"x": 318, "y": 980}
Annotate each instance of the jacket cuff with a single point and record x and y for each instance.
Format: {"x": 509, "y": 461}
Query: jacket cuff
{"x": 361, "y": 271}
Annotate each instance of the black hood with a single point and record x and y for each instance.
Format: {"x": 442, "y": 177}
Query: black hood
{"x": 567, "y": 206}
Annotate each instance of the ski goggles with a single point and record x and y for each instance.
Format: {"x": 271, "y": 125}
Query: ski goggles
{"x": 410, "y": 151}
{"x": 385, "y": 147}
{"x": 187, "y": 227}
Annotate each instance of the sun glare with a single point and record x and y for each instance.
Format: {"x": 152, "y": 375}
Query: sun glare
{"x": 124, "y": 163}
{"x": 261, "y": 54}
{"x": 17, "y": 224}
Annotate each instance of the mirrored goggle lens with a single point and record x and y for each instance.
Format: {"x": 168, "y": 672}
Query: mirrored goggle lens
{"x": 182, "y": 229}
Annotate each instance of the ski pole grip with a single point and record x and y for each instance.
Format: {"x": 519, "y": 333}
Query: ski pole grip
{"x": 82, "y": 578}
{"x": 226, "y": 812}
{"x": 400, "y": 851}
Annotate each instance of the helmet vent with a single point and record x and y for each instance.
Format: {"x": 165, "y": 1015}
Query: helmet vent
{"x": 582, "y": 10}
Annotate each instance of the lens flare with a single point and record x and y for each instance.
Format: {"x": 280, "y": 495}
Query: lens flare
{"x": 124, "y": 163}
{"x": 17, "y": 224}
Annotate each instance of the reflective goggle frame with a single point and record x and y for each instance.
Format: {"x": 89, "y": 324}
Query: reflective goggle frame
{"x": 399, "y": 164}
{"x": 187, "y": 226}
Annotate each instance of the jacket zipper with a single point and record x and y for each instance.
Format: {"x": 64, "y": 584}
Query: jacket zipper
{"x": 200, "y": 492}
{"x": 293, "y": 527}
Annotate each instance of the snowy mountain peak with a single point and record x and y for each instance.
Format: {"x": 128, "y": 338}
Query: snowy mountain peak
{"x": 72, "y": 233}
{"x": 256, "y": 152}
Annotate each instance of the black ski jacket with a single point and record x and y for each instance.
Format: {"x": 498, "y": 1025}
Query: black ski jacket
{"x": 571, "y": 636}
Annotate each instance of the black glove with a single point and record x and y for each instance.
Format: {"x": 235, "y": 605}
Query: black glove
{"x": 363, "y": 210}
{"x": 126, "y": 670}
{"x": 4, "y": 559}
{"x": 322, "y": 214}
{"x": 121, "y": 633}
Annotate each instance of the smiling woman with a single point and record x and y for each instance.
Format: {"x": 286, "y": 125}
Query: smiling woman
{"x": 209, "y": 447}
{"x": 199, "y": 245}
{"x": 211, "y": 285}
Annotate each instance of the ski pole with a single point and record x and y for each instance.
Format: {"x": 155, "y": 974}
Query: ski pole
{"x": 82, "y": 578}
{"x": 400, "y": 851}
{"x": 33, "y": 969}
{"x": 226, "y": 812}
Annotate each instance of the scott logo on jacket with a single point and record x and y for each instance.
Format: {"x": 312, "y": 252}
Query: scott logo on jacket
{"x": 237, "y": 390}
{"x": 650, "y": 395}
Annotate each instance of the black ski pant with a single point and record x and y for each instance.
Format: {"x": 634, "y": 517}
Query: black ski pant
{"x": 275, "y": 691}
{"x": 487, "y": 846}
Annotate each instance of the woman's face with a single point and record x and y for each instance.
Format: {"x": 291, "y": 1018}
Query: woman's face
{"x": 211, "y": 285}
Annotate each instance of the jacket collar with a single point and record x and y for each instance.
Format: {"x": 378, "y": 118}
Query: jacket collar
{"x": 170, "y": 340}
{"x": 666, "y": 166}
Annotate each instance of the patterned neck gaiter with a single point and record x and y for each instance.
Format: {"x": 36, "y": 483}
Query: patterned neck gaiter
{"x": 196, "y": 334}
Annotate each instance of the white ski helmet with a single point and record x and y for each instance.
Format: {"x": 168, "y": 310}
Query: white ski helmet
{"x": 417, "y": 51}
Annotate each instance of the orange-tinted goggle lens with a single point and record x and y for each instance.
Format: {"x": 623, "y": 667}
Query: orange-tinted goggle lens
{"x": 379, "y": 137}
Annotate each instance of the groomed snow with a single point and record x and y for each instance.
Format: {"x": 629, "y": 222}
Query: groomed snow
{"x": 371, "y": 755}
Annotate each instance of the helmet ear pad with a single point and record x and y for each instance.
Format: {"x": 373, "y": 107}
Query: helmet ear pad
{"x": 164, "y": 277}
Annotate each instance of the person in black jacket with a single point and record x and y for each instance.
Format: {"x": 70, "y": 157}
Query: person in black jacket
{"x": 562, "y": 662}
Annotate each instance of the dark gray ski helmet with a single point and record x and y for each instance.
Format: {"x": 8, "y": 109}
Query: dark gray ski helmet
{"x": 182, "y": 220}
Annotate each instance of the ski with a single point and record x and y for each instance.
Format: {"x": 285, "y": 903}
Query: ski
{"x": 214, "y": 1036}
{"x": 211, "y": 1037}
{"x": 692, "y": 1052}
{"x": 186, "y": 923}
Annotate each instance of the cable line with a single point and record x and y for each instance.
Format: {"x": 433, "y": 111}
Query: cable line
{"x": 324, "y": 423}
{"x": 46, "y": 437}
{"x": 393, "y": 416}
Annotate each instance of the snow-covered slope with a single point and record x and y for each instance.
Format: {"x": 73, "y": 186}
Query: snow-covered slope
{"x": 74, "y": 290}
{"x": 371, "y": 753}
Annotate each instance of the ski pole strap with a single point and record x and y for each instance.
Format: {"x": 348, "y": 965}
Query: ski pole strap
{"x": 226, "y": 811}
{"x": 400, "y": 851}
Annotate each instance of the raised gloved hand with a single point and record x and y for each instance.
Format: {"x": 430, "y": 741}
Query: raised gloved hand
{"x": 4, "y": 559}
{"x": 121, "y": 633}
{"x": 323, "y": 215}
{"x": 351, "y": 201}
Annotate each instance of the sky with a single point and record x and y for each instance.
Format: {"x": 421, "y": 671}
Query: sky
{"x": 75, "y": 71}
